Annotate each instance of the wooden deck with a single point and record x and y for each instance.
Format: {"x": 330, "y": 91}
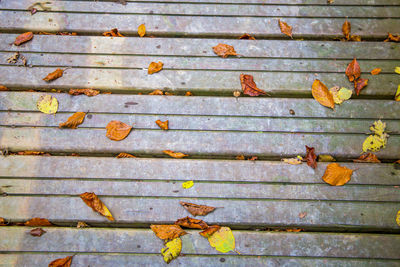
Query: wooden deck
{"x": 350, "y": 225}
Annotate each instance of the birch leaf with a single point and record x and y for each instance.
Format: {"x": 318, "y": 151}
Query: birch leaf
{"x": 337, "y": 175}
{"x": 187, "y": 184}
{"x": 223, "y": 240}
{"x": 172, "y": 250}
{"x": 47, "y": 104}
{"x": 73, "y": 121}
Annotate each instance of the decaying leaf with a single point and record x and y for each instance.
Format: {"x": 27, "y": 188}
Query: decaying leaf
{"x": 23, "y": 38}
{"x": 157, "y": 92}
{"x": 113, "y": 33}
{"x": 172, "y": 250}
{"x": 167, "y": 231}
{"x": 360, "y": 84}
{"x": 162, "y": 124}
{"x": 249, "y": 87}
{"x": 346, "y": 29}
{"x": 224, "y": 50}
{"x": 141, "y": 30}
{"x": 197, "y": 210}
{"x": 88, "y": 92}
{"x": 14, "y": 58}
{"x": 337, "y": 175}
{"x": 82, "y": 225}
{"x": 125, "y": 155}
{"x": 64, "y": 262}
{"x": 3, "y": 88}
{"x": 393, "y": 38}
{"x": 285, "y": 28}
{"x": 368, "y": 157}
{"x": 326, "y": 158}
{"x": 321, "y": 93}
{"x": 210, "y": 230}
{"x": 191, "y": 223}
{"x": 117, "y": 130}
{"x": 311, "y": 157}
{"x": 247, "y": 36}
{"x": 38, "y": 222}
{"x": 188, "y": 184}
{"x": 396, "y": 97}
{"x": 293, "y": 161}
{"x": 47, "y": 104}
{"x": 378, "y": 140}
{"x": 54, "y": 75}
{"x": 376, "y": 71}
{"x": 177, "y": 155}
{"x": 340, "y": 94}
{"x": 155, "y": 67}
{"x": 37, "y": 232}
{"x": 73, "y": 121}
{"x": 222, "y": 240}
{"x": 93, "y": 201}
{"x": 353, "y": 70}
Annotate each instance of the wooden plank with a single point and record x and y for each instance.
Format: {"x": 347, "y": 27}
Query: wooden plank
{"x": 202, "y": 26}
{"x": 57, "y": 167}
{"x": 135, "y": 211}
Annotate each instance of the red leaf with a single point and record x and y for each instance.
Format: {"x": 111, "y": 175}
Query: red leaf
{"x": 249, "y": 87}
{"x": 311, "y": 157}
{"x": 360, "y": 84}
{"x": 353, "y": 70}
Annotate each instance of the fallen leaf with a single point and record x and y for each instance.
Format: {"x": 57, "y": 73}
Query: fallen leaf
{"x": 236, "y": 93}
{"x": 222, "y": 240}
{"x": 330, "y": 1}
{"x": 224, "y": 50}
{"x": 311, "y": 157}
{"x": 188, "y": 184}
{"x": 188, "y": 93}
{"x": 398, "y": 218}
{"x": 65, "y": 262}
{"x": 210, "y": 230}
{"x": 88, "y": 92}
{"x": 197, "y": 210}
{"x": 326, "y": 158}
{"x": 37, "y": 232}
{"x": 368, "y": 157}
{"x": 54, "y": 75}
{"x": 157, "y": 92}
{"x": 396, "y": 97}
{"x": 2, "y": 222}
{"x": 378, "y": 140}
{"x": 295, "y": 230}
{"x": 141, "y": 30}
{"x": 117, "y": 130}
{"x": 240, "y": 157}
{"x": 302, "y": 215}
{"x": 125, "y": 155}
{"x": 337, "y": 175}
{"x": 23, "y": 38}
{"x": 113, "y": 33}
{"x": 177, "y": 155}
{"x": 38, "y": 222}
{"x": 93, "y": 201}
{"x": 162, "y": 124}
{"x": 246, "y": 37}
{"x": 3, "y": 88}
{"x": 73, "y": 121}
{"x": 285, "y": 28}
{"x": 191, "y": 223}
{"x": 394, "y": 38}
{"x": 346, "y": 29}
{"x": 397, "y": 70}
{"x": 321, "y": 93}
{"x": 340, "y": 95}
{"x": 376, "y": 71}
{"x": 293, "y": 161}
{"x": 47, "y": 104}
{"x": 249, "y": 87}
{"x": 253, "y": 158}
{"x": 353, "y": 70}
{"x": 155, "y": 67}
{"x": 33, "y": 153}
{"x": 13, "y": 59}
{"x": 167, "y": 231}
{"x": 172, "y": 250}
{"x": 82, "y": 225}
{"x": 355, "y": 38}
{"x": 359, "y": 85}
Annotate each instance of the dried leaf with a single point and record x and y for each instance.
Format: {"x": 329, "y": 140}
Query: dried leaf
{"x": 167, "y": 231}
{"x": 368, "y": 157}
{"x": 177, "y": 155}
{"x": 359, "y": 85}
{"x": 37, "y": 232}
{"x": 74, "y": 120}
{"x": 353, "y": 70}
{"x": 93, "y": 201}
{"x": 396, "y": 97}
{"x": 295, "y": 230}
{"x": 82, "y": 225}
{"x": 2, "y": 222}
{"x": 224, "y": 50}
{"x": 155, "y": 67}
{"x": 113, "y": 33}
{"x": 355, "y": 38}
{"x": 188, "y": 184}
{"x": 54, "y": 75}
{"x": 172, "y": 250}
{"x": 249, "y": 87}
{"x": 197, "y": 210}
{"x": 293, "y": 161}
{"x": 222, "y": 240}
{"x": 321, "y": 93}
{"x": 326, "y": 158}
{"x": 378, "y": 140}
{"x": 285, "y": 28}
{"x": 188, "y": 93}
{"x": 33, "y": 153}
{"x": 3, "y": 88}
{"x": 337, "y": 175}
{"x": 117, "y": 130}
{"x": 23, "y": 38}
{"x": 168, "y": 93}
{"x": 376, "y": 71}
{"x": 346, "y": 29}
{"x": 191, "y": 223}
{"x": 38, "y": 222}
{"x": 88, "y": 92}
{"x": 210, "y": 230}
{"x": 141, "y": 30}
{"x": 13, "y": 59}
{"x": 240, "y": 157}
{"x": 65, "y": 262}
{"x": 246, "y": 37}
{"x": 311, "y": 157}
{"x": 157, "y": 92}
{"x": 162, "y": 124}
{"x": 47, "y": 104}
{"x": 340, "y": 95}
{"x": 125, "y": 155}
{"x": 393, "y": 38}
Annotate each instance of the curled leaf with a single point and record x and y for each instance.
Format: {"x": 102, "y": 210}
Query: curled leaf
{"x": 47, "y": 104}
{"x": 353, "y": 70}
{"x": 113, "y": 33}
{"x": 162, "y": 124}
{"x": 177, "y": 155}
{"x": 360, "y": 84}
{"x": 23, "y": 38}
{"x": 285, "y": 28}
{"x": 224, "y": 50}
{"x": 37, "y": 232}
{"x": 393, "y": 38}
{"x": 188, "y": 184}
{"x": 311, "y": 157}
{"x": 191, "y": 223}
{"x": 38, "y": 222}
{"x": 54, "y": 75}
{"x": 246, "y": 36}
{"x": 376, "y": 71}
{"x": 346, "y": 29}
{"x": 93, "y": 201}
{"x": 321, "y": 93}
{"x": 64, "y": 262}
{"x": 210, "y": 230}
{"x": 125, "y": 155}
{"x": 73, "y": 121}
{"x": 117, "y": 130}
{"x": 249, "y": 87}
{"x": 222, "y": 240}
{"x": 141, "y": 30}
{"x": 88, "y": 92}
{"x": 167, "y": 231}
{"x": 337, "y": 175}
{"x": 368, "y": 157}
{"x": 197, "y": 210}
{"x": 155, "y": 67}
{"x": 326, "y": 158}
{"x": 172, "y": 250}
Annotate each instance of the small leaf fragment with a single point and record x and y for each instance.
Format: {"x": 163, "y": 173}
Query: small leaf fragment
{"x": 326, "y": 158}
{"x": 197, "y": 210}
{"x": 337, "y": 175}
{"x": 360, "y": 84}
{"x": 353, "y": 70}
{"x": 302, "y": 215}
{"x": 393, "y": 38}
{"x": 53, "y": 75}
{"x": 285, "y": 28}
{"x": 38, "y": 222}
{"x": 224, "y": 50}
{"x": 47, "y": 104}
{"x": 155, "y": 67}
{"x": 376, "y": 71}
{"x": 321, "y": 93}
{"x": 2, "y": 222}
{"x": 73, "y": 121}
{"x": 398, "y": 218}
{"x": 249, "y": 87}
{"x": 157, "y": 92}
{"x": 396, "y": 97}
{"x": 37, "y": 232}
{"x": 113, "y": 33}
{"x": 210, "y": 230}
{"x": 93, "y": 201}
{"x": 167, "y": 231}
{"x": 162, "y": 124}
{"x": 141, "y": 30}
{"x": 191, "y": 223}
{"x": 188, "y": 184}
{"x": 222, "y": 240}
{"x": 293, "y": 161}
{"x": 33, "y": 153}
{"x": 355, "y": 38}
{"x": 117, "y": 130}
{"x": 346, "y": 29}
{"x": 88, "y": 92}
{"x": 188, "y": 93}
{"x": 172, "y": 250}
{"x": 23, "y": 38}
{"x": 311, "y": 157}
{"x": 3, "y": 88}
{"x": 368, "y": 157}
{"x": 64, "y": 262}
{"x": 125, "y": 155}
{"x": 397, "y": 70}
{"x": 246, "y": 36}
{"x": 82, "y": 225}
{"x": 177, "y": 155}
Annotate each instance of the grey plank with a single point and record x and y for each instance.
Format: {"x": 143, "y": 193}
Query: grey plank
{"x": 57, "y": 167}
{"x": 133, "y": 211}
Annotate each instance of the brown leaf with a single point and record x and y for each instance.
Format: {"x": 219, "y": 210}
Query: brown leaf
{"x": 141, "y": 30}
{"x": 346, "y": 29}
{"x": 197, "y": 210}
{"x": 167, "y": 231}
{"x": 353, "y": 70}
{"x": 360, "y": 84}
{"x": 155, "y": 67}
{"x": 337, "y": 175}
{"x": 37, "y": 232}
{"x": 177, "y": 155}
{"x": 311, "y": 157}
{"x": 210, "y": 230}
{"x": 82, "y": 225}
{"x": 321, "y": 93}
{"x": 163, "y": 124}
{"x": 240, "y": 157}
{"x": 23, "y": 38}
{"x": 93, "y": 201}
{"x": 157, "y": 92}
{"x": 113, "y": 33}
{"x": 64, "y": 262}
{"x": 376, "y": 71}
{"x": 33, "y": 153}
{"x": 74, "y": 120}
{"x": 302, "y": 215}
{"x": 54, "y": 75}
{"x": 246, "y": 36}
{"x": 117, "y": 130}
{"x": 393, "y": 38}
{"x": 38, "y": 222}
{"x": 249, "y": 87}
{"x": 285, "y": 28}
{"x": 224, "y": 50}
{"x": 88, "y": 92}
{"x": 3, "y": 88}
{"x": 186, "y": 94}
{"x": 368, "y": 157}
{"x": 125, "y": 155}
{"x": 191, "y": 223}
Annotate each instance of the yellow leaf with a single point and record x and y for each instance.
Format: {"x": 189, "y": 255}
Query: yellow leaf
{"x": 47, "y": 104}
{"x": 340, "y": 95}
{"x": 321, "y": 93}
{"x": 398, "y": 218}
{"x": 187, "y": 184}
{"x": 397, "y": 96}
{"x": 172, "y": 249}
{"x": 378, "y": 127}
{"x": 397, "y": 70}
{"x": 378, "y": 140}
{"x": 222, "y": 240}
{"x": 141, "y": 30}
{"x": 326, "y": 158}
{"x": 293, "y": 161}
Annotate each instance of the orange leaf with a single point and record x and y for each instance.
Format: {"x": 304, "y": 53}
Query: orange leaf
{"x": 177, "y": 155}
{"x": 191, "y": 223}
{"x": 296, "y": 230}
{"x": 355, "y": 38}
{"x": 33, "y": 153}
{"x": 2, "y": 222}
{"x": 54, "y": 75}
{"x": 337, "y": 175}
{"x": 353, "y": 70}
{"x": 368, "y": 157}
{"x": 64, "y": 262}
{"x": 3, "y": 88}
{"x": 239, "y": 157}
{"x": 311, "y": 157}
{"x": 285, "y": 28}
{"x": 210, "y": 230}
{"x": 162, "y": 124}
{"x": 37, "y": 232}
{"x": 376, "y": 71}
{"x": 321, "y": 93}
{"x": 141, "y": 30}
{"x": 224, "y": 50}
{"x": 394, "y": 38}
{"x": 23, "y": 38}
{"x": 247, "y": 37}
{"x": 249, "y": 87}
{"x": 74, "y": 120}
{"x": 186, "y": 94}
{"x": 360, "y": 84}
{"x": 93, "y": 201}
{"x": 157, "y": 92}
{"x": 38, "y": 222}
{"x": 197, "y": 210}
{"x": 117, "y": 130}
{"x": 125, "y": 155}
{"x": 155, "y": 67}
{"x": 113, "y": 33}
{"x": 346, "y": 29}
{"x": 88, "y": 92}
{"x": 167, "y": 231}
